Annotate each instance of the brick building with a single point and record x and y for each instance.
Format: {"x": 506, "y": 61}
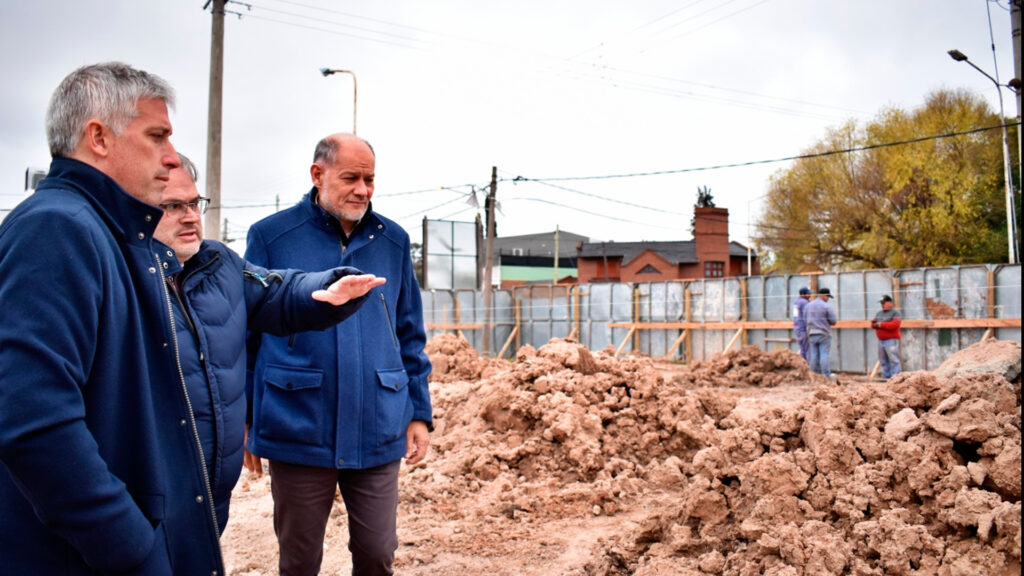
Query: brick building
{"x": 709, "y": 255}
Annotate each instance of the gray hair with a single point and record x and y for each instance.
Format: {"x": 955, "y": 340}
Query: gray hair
{"x": 109, "y": 92}
{"x": 189, "y": 167}
{"x": 327, "y": 149}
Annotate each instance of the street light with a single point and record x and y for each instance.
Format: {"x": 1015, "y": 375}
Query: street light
{"x": 1010, "y": 212}
{"x": 328, "y": 72}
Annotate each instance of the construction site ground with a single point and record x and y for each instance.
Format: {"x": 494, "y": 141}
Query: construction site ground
{"x": 566, "y": 461}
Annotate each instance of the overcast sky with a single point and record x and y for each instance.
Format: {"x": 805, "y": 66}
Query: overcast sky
{"x": 543, "y": 90}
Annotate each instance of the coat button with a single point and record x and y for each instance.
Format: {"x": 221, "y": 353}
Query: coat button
{"x": 142, "y": 236}
{"x": 149, "y": 218}
{"x": 371, "y": 236}
{"x": 182, "y": 423}
{"x": 152, "y": 270}
{"x": 199, "y": 499}
{"x": 341, "y": 462}
{"x": 380, "y": 226}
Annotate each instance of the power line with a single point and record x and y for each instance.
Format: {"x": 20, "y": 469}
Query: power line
{"x": 578, "y": 73}
{"x": 786, "y": 159}
{"x": 592, "y": 195}
{"x": 576, "y": 209}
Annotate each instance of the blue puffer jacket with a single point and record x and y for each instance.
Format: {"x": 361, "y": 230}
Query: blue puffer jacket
{"x": 219, "y": 296}
{"x": 101, "y": 468}
{"x": 341, "y": 398}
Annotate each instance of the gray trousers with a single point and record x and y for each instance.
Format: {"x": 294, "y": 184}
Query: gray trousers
{"x": 303, "y": 498}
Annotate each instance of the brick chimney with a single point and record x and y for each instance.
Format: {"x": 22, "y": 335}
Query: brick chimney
{"x": 711, "y": 234}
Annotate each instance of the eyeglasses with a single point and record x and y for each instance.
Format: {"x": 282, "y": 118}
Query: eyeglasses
{"x": 179, "y": 209}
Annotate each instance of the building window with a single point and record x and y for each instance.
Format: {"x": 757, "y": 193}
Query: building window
{"x": 714, "y": 269}
{"x": 517, "y": 251}
{"x": 649, "y": 270}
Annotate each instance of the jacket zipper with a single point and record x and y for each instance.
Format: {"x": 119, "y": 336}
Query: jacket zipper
{"x": 191, "y": 416}
{"x": 188, "y": 314}
{"x": 387, "y": 313}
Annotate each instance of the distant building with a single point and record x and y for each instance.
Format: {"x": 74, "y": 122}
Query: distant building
{"x": 709, "y": 255}
{"x": 531, "y": 258}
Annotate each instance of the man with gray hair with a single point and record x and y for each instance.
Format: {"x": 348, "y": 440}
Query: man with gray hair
{"x": 101, "y": 450}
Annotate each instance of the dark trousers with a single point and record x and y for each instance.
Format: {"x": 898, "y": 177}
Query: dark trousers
{"x": 303, "y": 498}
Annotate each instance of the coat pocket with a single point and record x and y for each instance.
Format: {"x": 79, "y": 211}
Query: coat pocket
{"x": 291, "y": 405}
{"x": 394, "y": 406}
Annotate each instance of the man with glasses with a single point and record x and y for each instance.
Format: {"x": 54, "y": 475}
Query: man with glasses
{"x": 215, "y": 296}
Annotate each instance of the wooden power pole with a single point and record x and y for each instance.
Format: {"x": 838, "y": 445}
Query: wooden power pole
{"x": 213, "y": 139}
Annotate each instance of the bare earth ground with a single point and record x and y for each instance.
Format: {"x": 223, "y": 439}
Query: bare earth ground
{"x": 577, "y": 463}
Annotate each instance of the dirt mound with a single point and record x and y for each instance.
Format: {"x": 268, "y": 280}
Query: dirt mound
{"x": 913, "y": 476}
{"x": 919, "y": 475}
{"x": 748, "y": 366}
{"x": 578, "y": 463}
{"x": 454, "y": 359}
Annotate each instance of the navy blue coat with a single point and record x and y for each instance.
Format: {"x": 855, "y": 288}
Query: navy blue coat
{"x": 220, "y": 295}
{"x": 101, "y": 467}
{"x": 343, "y": 397}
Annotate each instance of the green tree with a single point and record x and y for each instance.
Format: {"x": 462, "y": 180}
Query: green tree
{"x": 935, "y": 202}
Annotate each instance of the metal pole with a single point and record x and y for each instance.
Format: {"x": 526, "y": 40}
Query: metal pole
{"x": 1007, "y": 170}
{"x": 355, "y": 90}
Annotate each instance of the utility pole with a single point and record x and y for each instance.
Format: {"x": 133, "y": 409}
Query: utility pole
{"x": 489, "y": 261}
{"x": 213, "y": 133}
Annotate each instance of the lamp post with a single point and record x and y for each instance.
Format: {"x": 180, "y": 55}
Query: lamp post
{"x": 1010, "y": 212}
{"x": 355, "y": 91}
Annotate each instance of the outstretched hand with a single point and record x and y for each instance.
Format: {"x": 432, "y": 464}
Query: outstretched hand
{"x": 348, "y": 287}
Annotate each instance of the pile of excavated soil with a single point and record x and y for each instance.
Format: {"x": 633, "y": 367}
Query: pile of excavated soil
{"x": 454, "y": 359}
{"x": 572, "y": 462}
{"x": 747, "y": 366}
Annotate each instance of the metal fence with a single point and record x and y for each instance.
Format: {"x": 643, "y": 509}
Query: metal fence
{"x": 944, "y": 310}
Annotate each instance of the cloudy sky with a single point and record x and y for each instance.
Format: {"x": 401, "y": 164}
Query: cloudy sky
{"x": 603, "y": 118}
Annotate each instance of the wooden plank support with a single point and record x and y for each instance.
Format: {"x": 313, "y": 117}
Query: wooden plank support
{"x": 626, "y": 340}
{"x": 458, "y": 319}
{"x": 688, "y": 316}
{"x": 508, "y": 341}
{"x": 735, "y": 337}
{"x": 874, "y": 371}
{"x": 445, "y": 326}
{"x": 672, "y": 348}
{"x": 743, "y": 307}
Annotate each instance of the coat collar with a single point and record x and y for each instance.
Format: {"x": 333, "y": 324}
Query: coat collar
{"x": 127, "y": 217}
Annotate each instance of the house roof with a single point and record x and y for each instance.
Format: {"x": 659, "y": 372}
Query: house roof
{"x": 675, "y": 252}
{"x": 542, "y": 244}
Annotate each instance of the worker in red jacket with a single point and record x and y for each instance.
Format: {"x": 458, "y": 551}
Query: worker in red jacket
{"x": 887, "y": 330}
